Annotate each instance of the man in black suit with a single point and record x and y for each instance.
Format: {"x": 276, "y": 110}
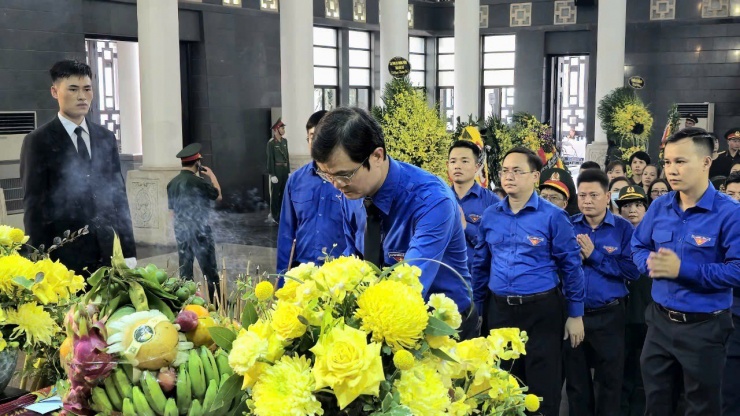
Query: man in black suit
{"x": 71, "y": 177}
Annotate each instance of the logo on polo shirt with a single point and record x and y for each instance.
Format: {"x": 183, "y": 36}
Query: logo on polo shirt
{"x": 397, "y": 255}
{"x": 474, "y": 218}
{"x": 610, "y": 249}
{"x": 700, "y": 241}
{"x": 535, "y": 240}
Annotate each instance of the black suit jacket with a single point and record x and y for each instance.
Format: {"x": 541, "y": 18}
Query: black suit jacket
{"x": 62, "y": 192}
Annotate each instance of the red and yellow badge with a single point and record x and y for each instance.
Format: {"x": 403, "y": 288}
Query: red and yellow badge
{"x": 474, "y": 218}
{"x": 700, "y": 240}
{"x": 397, "y": 255}
{"x": 535, "y": 241}
{"x": 610, "y": 249}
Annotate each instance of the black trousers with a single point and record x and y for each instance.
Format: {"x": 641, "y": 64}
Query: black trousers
{"x": 602, "y": 350}
{"x": 633, "y": 390}
{"x": 541, "y": 367}
{"x": 731, "y": 379}
{"x": 198, "y": 245}
{"x": 694, "y": 352}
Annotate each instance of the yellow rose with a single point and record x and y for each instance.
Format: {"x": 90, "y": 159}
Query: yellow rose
{"x": 348, "y": 364}
{"x": 247, "y": 348}
{"x": 275, "y": 346}
{"x": 285, "y": 321}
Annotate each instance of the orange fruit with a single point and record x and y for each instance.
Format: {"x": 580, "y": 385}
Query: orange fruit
{"x": 65, "y": 351}
{"x": 198, "y": 310}
{"x": 201, "y": 335}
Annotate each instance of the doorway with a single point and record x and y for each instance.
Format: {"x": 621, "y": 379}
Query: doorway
{"x": 568, "y": 106}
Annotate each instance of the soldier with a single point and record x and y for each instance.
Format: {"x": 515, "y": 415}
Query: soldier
{"x": 722, "y": 164}
{"x": 278, "y": 167}
{"x": 691, "y": 121}
{"x": 555, "y": 192}
{"x": 189, "y": 200}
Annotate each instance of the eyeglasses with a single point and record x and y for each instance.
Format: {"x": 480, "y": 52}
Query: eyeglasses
{"x": 342, "y": 179}
{"x": 512, "y": 173}
{"x": 658, "y": 192}
{"x": 552, "y": 198}
{"x": 734, "y": 140}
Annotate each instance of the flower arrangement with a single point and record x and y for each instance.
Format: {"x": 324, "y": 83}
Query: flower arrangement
{"x": 34, "y": 297}
{"x": 349, "y": 339}
{"x": 626, "y": 121}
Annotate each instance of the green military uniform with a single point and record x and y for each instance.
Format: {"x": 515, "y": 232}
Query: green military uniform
{"x": 190, "y": 196}
{"x": 278, "y": 166}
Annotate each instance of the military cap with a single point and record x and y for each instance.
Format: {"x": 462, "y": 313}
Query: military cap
{"x": 733, "y": 133}
{"x": 190, "y": 153}
{"x": 279, "y": 123}
{"x": 631, "y": 193}
{"x": 559, "y": 175}
{"x": 693, "y": 118}
{"x": 558, "y": 186}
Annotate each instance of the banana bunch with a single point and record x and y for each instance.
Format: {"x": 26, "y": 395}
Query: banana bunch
{"x": 197, "y": 386}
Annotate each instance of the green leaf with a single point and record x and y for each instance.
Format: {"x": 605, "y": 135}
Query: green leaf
{"x": 23, "y": 282}
{"x": 227, "y": 392}
{"x": 117, "y": 261}
{"x": 249, "y": 315}
{"x": 387, "y": 402}
{"x": 303, "y": 320}
{"x": 441, "y": 354}
{"x": 437, "y": 328}
{"x": 241, "y": 408}
{"x": 96, "y": 277}
{"x": 223, "y": 337}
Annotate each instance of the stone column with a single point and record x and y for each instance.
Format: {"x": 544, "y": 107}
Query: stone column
{"x": 296, "y": 75}
{"x": 611, "y": 29}
{"x": 467, "y": 58}
{"x": 161, "y": 121}
{"x": 129, "y": 95}
{"x": 394, "y": 35}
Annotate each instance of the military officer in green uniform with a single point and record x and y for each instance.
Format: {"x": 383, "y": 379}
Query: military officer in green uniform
{"x": 278, "y": 167}
{"x": 189, "y": 197}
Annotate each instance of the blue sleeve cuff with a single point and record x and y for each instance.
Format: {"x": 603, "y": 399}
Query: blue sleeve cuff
{"x": 689, "y": 270}
{"x": 471, "y": 234}
{"x": 575, "y": 309}
{"x": 596, "y": 257}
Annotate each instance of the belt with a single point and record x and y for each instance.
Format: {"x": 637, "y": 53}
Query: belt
{"x": 604, "y": 308}
{"x": 516, "y": 300}
{"x": 689, "y": 317}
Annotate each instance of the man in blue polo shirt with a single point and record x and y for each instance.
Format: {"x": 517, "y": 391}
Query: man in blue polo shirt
{"x": 412, "y": 214}
{"x": 311, "y": 215}
{"x": 525, "y": 245}
{"x": 607, "y": 266}
{"x": 689, "y": 244}
{"x": 463, "y": 162}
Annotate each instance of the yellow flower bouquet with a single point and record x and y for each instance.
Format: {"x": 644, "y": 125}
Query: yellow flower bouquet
{"x": 34, "y": 296}
{"x": 349, "y": 339}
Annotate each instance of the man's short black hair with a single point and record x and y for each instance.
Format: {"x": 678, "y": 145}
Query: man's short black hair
{"x": 467, "y": 144}
{"x": 699, "y": 136}
{"x": 534, "y": 161}
{"x": 640, "y": 155}
{"x": 733, "y": 178}
{"x": 614, "y": 163}
{"x": 594, "y": 175}
{"x": 69, "y": 68}
{"x": 590, "y": 165}
{"x": 350, "y": 128}
{"x": 313, "y": 121}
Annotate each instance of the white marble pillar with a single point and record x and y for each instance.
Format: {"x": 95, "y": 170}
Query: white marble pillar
{"x": 161, "y": 121}
{"x": 467, "y": 58}
{"x": 611, "y": 30}
{"x": 394, "y": 35}
{"x": 296, "y": 75}
{"x": 129, "y": 95}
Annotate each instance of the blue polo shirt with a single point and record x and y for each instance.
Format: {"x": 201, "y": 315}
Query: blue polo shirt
{"x": 475, "y": 201}
{"x": 526, "y": 252}
{"x": 311, "y": 215}
{"x": 420, "y": 220}
{"x": 610, "y": 265}
{"x": 706, "y": 239}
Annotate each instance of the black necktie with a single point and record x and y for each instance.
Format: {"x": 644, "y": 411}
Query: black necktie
{"x": 373, "y": 240}
{"x": 81, "y": 146}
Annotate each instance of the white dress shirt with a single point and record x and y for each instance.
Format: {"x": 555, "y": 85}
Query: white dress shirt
{"x": 70, "y": 126}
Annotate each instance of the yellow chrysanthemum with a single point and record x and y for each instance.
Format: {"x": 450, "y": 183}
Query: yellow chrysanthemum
{"x": 57, "y": 282}
{"x": 531, "y": 402}
{"x": 286, "y": 389}
{"x": 302, "y": 272}
{"x": 10, "y": 236}
{"x": 403, "y": 360}
{"x": 342, "y": 275}
{"x": 348, "y": 364}
{"x": 407, "y": 274}
{"x": 263, "y": 290}
{"x": 422, "y": 390}
{"x": 14, "y": 266}
{"x": 394, "y": 313}
{"x": 445, "y": 309}
{"x": 285, "y": 321}
{"x": 275, "y": 346}
{"x": 247, "y": 348}
{"x": 33, "y": 322}
{"x": 507, "y": 343}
